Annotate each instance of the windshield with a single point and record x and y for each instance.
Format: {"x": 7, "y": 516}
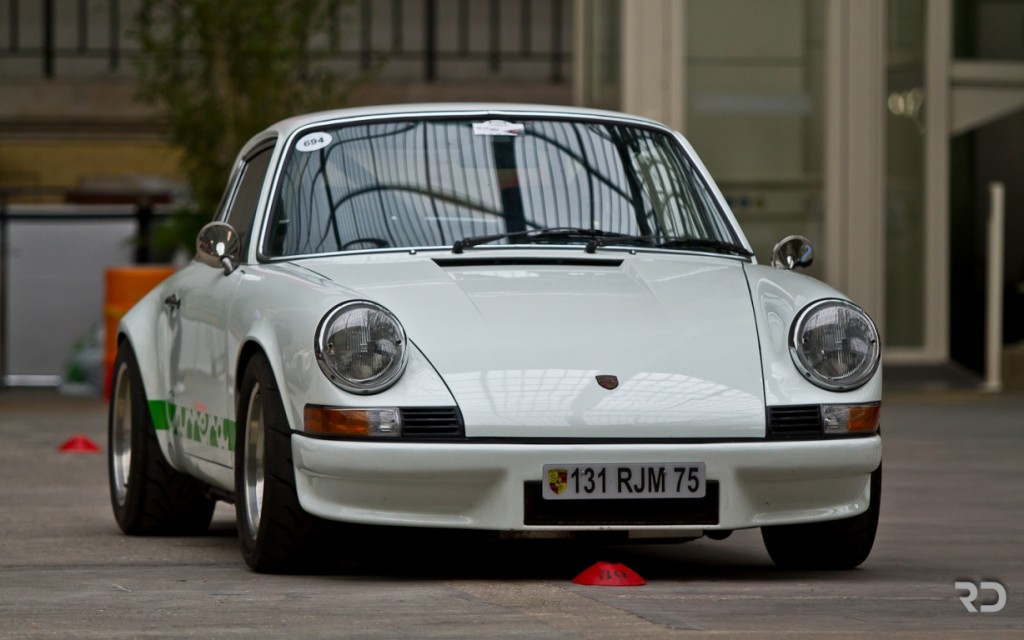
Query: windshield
{"x": 432, "y": 183}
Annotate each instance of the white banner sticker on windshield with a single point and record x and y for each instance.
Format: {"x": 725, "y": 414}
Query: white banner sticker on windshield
{"x": 497, "y": 128}
{"x": 313, "y": 141}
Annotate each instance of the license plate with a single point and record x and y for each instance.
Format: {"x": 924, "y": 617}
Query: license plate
{"x": 624, "y": 481}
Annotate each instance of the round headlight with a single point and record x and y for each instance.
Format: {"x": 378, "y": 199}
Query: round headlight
{"x": 835, "y": 345}
{"x": 360, "y": 346}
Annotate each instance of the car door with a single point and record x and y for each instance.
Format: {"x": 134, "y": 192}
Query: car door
{"x": 202, "y": 367}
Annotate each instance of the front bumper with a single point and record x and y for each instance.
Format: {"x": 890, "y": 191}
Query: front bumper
{"x": 481, "y": 485}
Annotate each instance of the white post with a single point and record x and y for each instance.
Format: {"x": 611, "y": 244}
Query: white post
{"x": 855, "y": 151}
{"x": 994, "y": 291}
{"x": 653, "y": 60}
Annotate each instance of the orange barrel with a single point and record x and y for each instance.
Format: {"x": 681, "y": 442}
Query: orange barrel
{"x": 125, "y": 287}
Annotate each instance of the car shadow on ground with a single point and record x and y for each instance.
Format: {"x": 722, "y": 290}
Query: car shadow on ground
{"x": 437, "y": 555}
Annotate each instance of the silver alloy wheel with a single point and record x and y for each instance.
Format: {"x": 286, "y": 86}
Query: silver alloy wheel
{"x": 121, "y": 433}
{"x": 253, "y": 466}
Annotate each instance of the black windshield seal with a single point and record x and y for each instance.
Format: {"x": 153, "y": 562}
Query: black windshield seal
{"x": 705, "y": 244}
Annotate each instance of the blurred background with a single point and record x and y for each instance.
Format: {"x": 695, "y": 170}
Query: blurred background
{"x": 874, "y": 127}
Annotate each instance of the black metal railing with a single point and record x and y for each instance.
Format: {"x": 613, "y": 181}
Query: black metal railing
{"x": 497, "y": 35}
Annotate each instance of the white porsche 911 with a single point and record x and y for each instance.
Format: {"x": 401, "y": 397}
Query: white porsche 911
{"x": 524, "y": 320}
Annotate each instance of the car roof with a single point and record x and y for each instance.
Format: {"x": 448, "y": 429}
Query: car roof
{"x": 457, "y": 109}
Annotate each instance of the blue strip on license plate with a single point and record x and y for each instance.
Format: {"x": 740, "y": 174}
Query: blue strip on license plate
{"x": 624, "y": 481}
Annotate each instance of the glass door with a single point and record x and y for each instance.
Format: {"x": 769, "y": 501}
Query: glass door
{"x": 904, "y": 198}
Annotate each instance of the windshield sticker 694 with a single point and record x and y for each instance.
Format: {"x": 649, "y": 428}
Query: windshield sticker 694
{"x": 190, "y": 424}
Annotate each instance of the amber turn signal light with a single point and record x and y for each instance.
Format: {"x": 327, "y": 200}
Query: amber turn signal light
{"x": 851, "y": 418}
{"x": 864, "y": 418}
{"x": 337, "y": 421}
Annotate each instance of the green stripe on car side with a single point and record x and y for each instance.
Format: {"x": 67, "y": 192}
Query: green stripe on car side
{"x": 161, "y": 412}
{"x": 191, "y": 424}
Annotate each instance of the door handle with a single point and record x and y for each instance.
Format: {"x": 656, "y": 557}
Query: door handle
{"x": 172, "y": 301}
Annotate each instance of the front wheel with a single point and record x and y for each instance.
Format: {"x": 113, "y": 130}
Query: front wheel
{"x": 836, "y": 544}
{"x": 277, "y": 535}
{"x": 149, "y": 496}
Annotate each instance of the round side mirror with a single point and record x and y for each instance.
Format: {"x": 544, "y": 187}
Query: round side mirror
{"x": 218, "y": 246}
{"x": 793, "y": 252}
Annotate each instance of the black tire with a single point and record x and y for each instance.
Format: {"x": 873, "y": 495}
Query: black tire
{"x": 836, "y": 544}
{"x": 149, "y": 497}
{"x": 277, "y": 535}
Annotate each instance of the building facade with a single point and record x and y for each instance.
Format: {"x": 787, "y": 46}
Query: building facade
{"x": 873, "y": 127}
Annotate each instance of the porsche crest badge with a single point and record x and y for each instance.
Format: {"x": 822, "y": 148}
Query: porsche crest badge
{"x": 608, "y": 382}
{"x": 558, "y": 480}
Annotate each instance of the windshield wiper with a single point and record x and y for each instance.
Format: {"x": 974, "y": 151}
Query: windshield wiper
{"x": 598, "y": 238}
{"x": 592, "y": 236}
{"x": 719, "y": 246}
{"x": 705, "y": 243}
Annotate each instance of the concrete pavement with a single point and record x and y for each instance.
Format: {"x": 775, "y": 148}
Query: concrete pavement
{"x": 952, "y": 509}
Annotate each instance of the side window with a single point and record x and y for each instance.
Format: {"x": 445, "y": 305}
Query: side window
{"x": 243, "y": 206}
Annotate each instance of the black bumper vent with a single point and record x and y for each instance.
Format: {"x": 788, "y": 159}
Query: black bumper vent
{"x": 641, "y": 512}
{"x": 432, "y": 422}
{"x": 794, "y": 421}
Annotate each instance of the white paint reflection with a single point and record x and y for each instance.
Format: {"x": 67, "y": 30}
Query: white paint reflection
{"x": 571, "y": 398}
{"x": 533, "y": 396}
{"x": 673, "y": 398}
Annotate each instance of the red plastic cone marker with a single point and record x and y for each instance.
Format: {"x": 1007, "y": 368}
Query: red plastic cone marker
{"x": 606, "y": 574}
{"x": 79, "y": 444}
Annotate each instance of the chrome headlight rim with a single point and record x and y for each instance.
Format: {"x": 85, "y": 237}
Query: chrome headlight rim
{"x": 796, "y": 353}
{"x": 380, "y": 383}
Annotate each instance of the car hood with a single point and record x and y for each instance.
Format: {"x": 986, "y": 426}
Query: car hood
{"x": 521, "y": 340}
